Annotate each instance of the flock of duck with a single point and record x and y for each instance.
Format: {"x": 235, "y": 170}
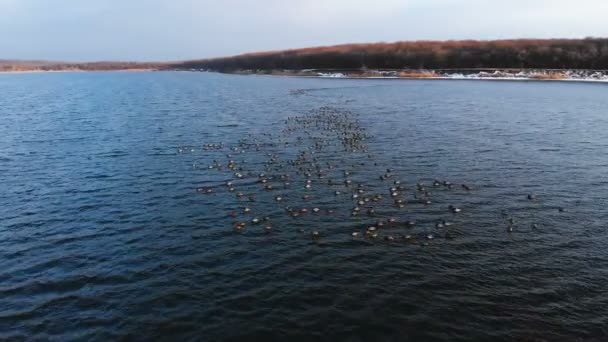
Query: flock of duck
{"x": 315, "y": 169}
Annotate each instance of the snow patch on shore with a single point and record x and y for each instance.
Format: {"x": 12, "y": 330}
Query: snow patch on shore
{"x": 568, "y": 75}
{"x": 331, "y": 75}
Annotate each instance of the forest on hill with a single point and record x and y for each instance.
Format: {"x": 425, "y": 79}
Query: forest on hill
{"x": 588, "y": 53}
{"x": 556, "y": 54}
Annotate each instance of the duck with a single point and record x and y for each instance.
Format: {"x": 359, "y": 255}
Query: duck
{"x": 240, "y": 226}
{"x": 453, "y": 209}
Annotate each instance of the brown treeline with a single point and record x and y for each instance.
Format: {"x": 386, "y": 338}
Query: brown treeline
{"x": 588, "y": 53}
{"x": 24, "y": 66}
{"x": 556, "y": 54}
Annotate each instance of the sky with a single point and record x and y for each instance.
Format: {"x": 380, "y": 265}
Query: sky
{"x": 165, "y": 30}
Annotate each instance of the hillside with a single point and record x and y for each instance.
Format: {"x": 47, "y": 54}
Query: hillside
{"x": 548, "y": 54}
{"x": 589, "y": 53}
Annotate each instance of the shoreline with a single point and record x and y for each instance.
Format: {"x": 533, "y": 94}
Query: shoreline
{"x": 591, "y": 76}
{"x": 445, "y": 78}
{"x": 457, "y": 75}
{"x": 38, "y": 71}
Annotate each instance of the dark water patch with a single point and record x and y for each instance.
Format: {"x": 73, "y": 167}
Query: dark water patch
{"x": 113, "y": 154}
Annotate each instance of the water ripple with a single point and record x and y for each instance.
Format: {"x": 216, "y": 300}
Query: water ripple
{"x": 104, "y": 236}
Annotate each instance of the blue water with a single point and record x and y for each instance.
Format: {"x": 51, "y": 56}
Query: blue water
{"x": 104, "y": 236}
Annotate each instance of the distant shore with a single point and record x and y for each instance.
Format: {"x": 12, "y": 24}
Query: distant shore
{"x": 446, "y": 74}
{"x": 72, "y": 70}
{"x": 514, "y": 59}
{"x": 34, "y": 66}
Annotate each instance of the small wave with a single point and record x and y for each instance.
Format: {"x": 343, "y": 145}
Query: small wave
{"x": 102, "y": 176}
{"x": 77, "y": 301}
{"x": 61, "y": 285}
{"x": 113, "y": 154}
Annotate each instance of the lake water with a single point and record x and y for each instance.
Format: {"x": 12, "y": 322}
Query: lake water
{"x": 116, "y": 220}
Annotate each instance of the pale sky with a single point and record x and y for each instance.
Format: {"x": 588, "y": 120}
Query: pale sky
{"x": 88, "y": 30}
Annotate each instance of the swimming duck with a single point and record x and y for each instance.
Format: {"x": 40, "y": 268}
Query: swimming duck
{"x": 240, "y": 226}
{"x": 454, "y": 209}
